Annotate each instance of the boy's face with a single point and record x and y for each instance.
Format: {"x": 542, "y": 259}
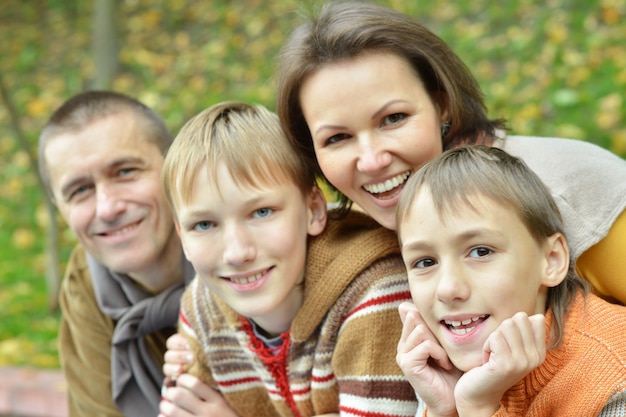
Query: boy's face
{"x": 106, "y": 184}
{"x": 470, "y": 270}
{"x": 248, "y": 245}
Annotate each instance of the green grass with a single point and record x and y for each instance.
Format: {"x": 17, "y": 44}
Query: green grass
{"x": 552, "y": 68}
{"x": 28, "y": 329}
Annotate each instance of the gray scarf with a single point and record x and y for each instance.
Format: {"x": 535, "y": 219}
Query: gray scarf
{"x": 136, "y": 377}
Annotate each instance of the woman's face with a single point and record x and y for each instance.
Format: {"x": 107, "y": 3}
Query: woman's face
{"x": 373, "y": 124}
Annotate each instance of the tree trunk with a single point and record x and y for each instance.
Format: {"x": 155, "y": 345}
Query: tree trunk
{"x": 104, "y": 44}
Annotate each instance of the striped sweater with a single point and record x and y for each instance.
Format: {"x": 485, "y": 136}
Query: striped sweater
{"x": 339, "y": 354}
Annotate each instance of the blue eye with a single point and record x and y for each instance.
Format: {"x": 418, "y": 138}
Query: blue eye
{"x": 202, "y": 226}
{"x": 80, "y": 190}
{"x": 124, "y": 172}
{"x": 263, "y": 212}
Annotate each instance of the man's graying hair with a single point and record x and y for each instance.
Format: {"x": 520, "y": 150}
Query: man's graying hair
{"x": 81, "y": 110}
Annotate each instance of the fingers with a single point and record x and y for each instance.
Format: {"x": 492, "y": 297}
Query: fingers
{"x": 177, "y": 342}
{"x": 197, "y": 387}
{"x": 178, "y": 356}
{"x": 417, "y": 343}
{"x": 176, "y": 362}
{"x": 518, "y": 344}
{"x": 187, "y": 396}
{"x": 192, "y": 397}
{"x": 405, "y": 308}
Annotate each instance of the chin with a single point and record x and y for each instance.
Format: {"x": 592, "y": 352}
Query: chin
{"x": 465, "y": 364}
{"x": 386, "y": 220}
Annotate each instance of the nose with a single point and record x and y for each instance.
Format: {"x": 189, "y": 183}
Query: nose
{"x": 453, "y": 285}
{"x": 239, "y": 247}
{"x": 373, "y": 155}
{"x": 109, "y": 204}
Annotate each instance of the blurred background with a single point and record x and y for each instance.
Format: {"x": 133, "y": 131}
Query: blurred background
{"x": 551, "y": 67}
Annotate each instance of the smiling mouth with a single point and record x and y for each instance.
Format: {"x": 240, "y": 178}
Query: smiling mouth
{"x": 389, "y": 188}
{"x": 464, "y": 326}
{"x": 242, "y": 280}
{"x": 120, "y": 231}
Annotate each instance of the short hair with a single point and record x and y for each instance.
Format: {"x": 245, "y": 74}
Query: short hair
{"x": 246, "y": 138}
{"x": 345, "y": 30}
{"x": 460, "y": 173}
{"x": 87, "y": 107}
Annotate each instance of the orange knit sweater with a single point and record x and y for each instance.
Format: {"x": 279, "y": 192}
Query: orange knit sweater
{"x": 585, "y": 375}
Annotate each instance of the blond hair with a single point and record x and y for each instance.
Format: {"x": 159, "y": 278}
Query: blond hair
{"x": 246, "y": 138}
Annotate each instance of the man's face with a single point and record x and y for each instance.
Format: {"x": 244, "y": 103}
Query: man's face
{"x": 105, "y": 180}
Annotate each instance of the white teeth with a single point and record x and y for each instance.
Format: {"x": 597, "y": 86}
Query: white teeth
{"x": 465, "y": 330}
{"x": 453, "y": 323}
{"x": 388, "y": 185}
{"x": 122, "y": 230}
{"x": 246, "y": 280}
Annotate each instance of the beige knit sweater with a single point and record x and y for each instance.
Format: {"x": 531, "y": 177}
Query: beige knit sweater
{"x": 339, "y": 355}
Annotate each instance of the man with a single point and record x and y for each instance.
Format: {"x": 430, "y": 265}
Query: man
{"x": 100, "y": 156}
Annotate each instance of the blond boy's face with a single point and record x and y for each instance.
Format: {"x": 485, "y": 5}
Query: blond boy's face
{"x": 471, "y": 270}
{"x": 248, "y": 245}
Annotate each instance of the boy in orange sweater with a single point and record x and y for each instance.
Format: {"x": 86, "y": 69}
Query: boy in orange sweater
{"x": 500, "y": 325}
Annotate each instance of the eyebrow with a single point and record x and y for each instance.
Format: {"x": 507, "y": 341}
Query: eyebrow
{"x": 66, "y": 189}
{"x": 260, "y": 200}
{"x": 465, "y": 236}
{"x": 415, "y": 245}
{"x": 384, "y": 107}
{"x": 329, "y": 127}
{"x": 374, "y": 116}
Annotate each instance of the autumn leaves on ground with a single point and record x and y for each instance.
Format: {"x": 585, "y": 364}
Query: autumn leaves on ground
{"x": 552, "y": 68}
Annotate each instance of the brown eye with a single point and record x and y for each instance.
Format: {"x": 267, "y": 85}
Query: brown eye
{"x": 393, "y": 118}
{"x": 480, "y": 252}
{"x": 336, "y": 138}
{"x": 424, "y": 263}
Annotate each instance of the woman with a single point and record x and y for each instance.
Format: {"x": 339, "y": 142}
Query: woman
{"x": 370, "y": 95}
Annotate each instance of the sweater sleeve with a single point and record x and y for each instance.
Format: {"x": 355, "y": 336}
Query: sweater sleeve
{"x": 85, "y": 335}
{"x": 186, "y": 324}
{"x": 370, "y": 381}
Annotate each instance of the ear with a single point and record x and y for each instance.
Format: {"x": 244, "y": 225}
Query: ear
{"x": 317, "y": 212}
{"x": 557, "y": 260}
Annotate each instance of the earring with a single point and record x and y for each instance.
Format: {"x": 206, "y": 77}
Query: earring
{"x": 445, "y": 128}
